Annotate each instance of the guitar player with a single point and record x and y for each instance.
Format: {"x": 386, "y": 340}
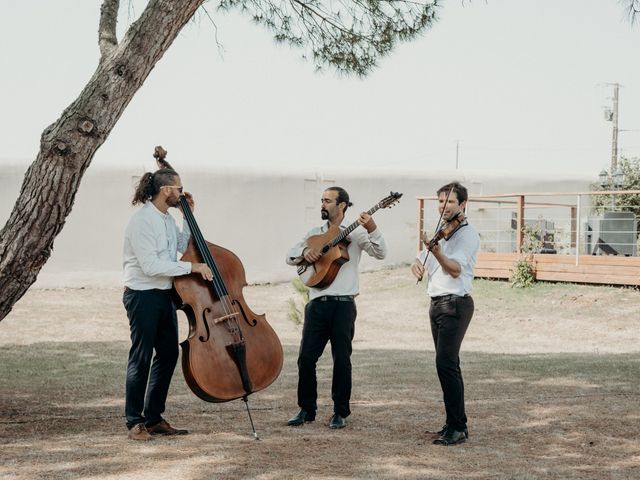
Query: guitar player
{"x": 331, "y": 312}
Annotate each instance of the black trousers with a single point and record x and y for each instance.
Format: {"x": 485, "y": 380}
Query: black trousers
{"x": 326, "y": 321}
{"x": 450, "y": 316}
{"x": 154, "y": 326}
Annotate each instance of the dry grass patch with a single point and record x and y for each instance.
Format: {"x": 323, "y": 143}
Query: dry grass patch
{"x": 551, "y": 393}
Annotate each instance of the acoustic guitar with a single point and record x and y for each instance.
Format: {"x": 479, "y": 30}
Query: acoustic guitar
{"x": 333, "y": 246}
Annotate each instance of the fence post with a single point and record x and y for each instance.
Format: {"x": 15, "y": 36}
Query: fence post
{"x": 574, "y": 230}
{"x": 420, "y": 222}
{"x": 519, "y": 223}
{"x": 576, "y": 219}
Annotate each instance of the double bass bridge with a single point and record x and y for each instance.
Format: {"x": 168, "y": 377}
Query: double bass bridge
{"x": 231, "y": 316}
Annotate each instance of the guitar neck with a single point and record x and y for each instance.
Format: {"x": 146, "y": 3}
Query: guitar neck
{"x": 343, "y": 234}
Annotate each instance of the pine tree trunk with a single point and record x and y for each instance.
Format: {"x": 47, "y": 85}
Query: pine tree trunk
{"x": 68, "y": 145}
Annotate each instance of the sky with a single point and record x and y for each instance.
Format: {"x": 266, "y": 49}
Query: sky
{"x": 514, "y": 86}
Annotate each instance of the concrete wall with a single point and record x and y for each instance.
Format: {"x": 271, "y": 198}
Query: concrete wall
{"x": 257, "y": 214}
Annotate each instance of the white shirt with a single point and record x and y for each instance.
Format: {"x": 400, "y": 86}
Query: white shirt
{"x": 462, "y": 248}
{"x": 346, "y": 282}
{"x": 151, "y": 244}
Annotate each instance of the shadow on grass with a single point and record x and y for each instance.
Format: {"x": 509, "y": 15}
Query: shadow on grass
{"x": 531, "y": 416}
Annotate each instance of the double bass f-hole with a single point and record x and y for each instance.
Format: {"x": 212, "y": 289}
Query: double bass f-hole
{"x": 251, "y": 323}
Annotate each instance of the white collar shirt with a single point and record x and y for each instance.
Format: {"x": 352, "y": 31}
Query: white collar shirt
{"x": 462, "y": 248}
{"x": 346, "y": 281}
{"x": 151, "y": 244}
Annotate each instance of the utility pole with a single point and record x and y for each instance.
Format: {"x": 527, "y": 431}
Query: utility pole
{"x": 457, "y": 150}
{"x": 614, "y": 120}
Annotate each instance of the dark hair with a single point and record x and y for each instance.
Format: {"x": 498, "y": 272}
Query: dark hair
{"x": 150, "y": 183}
{"x": 343, "y": 196}
{"x": 458, "y": 189}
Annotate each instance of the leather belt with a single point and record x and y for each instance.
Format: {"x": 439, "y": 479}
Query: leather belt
{"x": 444, "y": 298}
{"x": 335, "y": 298}
{"x": 160, "y": 290}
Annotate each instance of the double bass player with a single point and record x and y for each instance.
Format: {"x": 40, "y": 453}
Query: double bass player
{"x": 331, "y": 312}
{"x": 152, "y": 240}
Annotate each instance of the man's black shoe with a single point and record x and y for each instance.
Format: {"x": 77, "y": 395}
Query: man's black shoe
{"x": 301, "y": 418}
{"x": 445, "y": 428}
{"x": 337, "y": 421}
{"x": 451, "y": 437}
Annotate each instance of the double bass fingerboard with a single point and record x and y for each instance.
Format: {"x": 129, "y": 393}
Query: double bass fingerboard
{"x": 201, "y": 245}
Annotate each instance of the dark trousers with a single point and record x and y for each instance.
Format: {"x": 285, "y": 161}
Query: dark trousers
{"x": 154, "y": 325}
{"x": 326, "y": 321}
{"x": 450, "y": 316}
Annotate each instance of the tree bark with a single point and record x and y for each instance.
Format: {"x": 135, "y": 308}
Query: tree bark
{"x": 68, "y": 145}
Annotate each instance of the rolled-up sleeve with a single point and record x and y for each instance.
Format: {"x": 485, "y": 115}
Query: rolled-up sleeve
{"x": 295, "y": 253}
{"x": 374, "y": 244}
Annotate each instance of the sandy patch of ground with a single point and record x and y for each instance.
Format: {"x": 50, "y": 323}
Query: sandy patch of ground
{"x": 551, "y": 377}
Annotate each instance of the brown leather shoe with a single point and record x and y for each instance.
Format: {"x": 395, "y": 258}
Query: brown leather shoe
{"x": 163, "y": 428}
{"x": 139, "y": 432}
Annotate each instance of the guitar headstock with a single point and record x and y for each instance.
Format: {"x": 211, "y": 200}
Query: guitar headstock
{"x": 390, "y": 201}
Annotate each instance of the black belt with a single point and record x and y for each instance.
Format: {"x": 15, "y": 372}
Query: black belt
{"x": 451, "y": 296}
{"x": 335, "y": 298}
{"x": 160, "y": 290}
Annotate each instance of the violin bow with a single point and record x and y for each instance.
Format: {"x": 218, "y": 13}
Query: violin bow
{"x": 435, "y": 231}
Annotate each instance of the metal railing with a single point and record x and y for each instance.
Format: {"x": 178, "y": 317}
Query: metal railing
{"x": 564, "y": 223}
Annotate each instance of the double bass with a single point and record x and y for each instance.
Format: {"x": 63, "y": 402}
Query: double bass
{"x": 230, "y": 351}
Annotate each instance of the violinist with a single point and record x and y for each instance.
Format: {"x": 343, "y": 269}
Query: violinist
{"x": 330, "y": 314}
{"x": 152, "y": 240}
{"x": 448, "y": 262}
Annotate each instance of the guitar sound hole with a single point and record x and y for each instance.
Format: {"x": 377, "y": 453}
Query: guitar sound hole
{"x": 325, "y": 249}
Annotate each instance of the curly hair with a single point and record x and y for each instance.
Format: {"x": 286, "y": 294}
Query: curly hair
{"x": 150, "y": 183}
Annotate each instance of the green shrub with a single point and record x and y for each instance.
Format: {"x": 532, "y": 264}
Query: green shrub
{"x": 296, "y": 307}
{"x": 523, "y": 275}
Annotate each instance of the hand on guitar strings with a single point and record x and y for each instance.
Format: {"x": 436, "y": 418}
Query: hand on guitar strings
{"x": 311, "y": 255}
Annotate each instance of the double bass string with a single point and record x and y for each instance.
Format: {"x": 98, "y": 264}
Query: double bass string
{"x": 218, "y": 282}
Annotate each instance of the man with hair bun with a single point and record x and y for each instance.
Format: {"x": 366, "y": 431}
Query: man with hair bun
{"x": 331, "y": 312}
{"x": 151, "y": 244}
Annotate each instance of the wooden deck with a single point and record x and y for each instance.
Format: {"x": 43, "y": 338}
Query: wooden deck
{"x": 608, "y": 270}
{"x": 601, "y": 269}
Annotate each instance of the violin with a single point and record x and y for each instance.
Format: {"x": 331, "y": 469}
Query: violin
{"x": 446, "y": 230}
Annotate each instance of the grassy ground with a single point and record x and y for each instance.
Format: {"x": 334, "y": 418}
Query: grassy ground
{"x": 565, "y": 414}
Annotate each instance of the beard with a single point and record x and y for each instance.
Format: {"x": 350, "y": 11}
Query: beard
{"x": 324, "y": 214}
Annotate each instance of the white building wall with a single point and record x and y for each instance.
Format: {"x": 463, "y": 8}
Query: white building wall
{"x": 258, "y": 215}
